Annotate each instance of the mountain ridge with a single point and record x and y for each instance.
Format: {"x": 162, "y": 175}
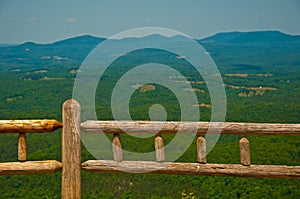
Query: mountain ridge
{"x": 231, "y": 48}
{"x": 275, "y": 37}
{"x": 221, "y": 37}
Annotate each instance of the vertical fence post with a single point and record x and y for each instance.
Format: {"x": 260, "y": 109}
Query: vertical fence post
{"x": 201, "y": 149}
{"x": 22, "y": 147}
{"x": 71, "y": 154}
{"x": 117, "y": 148}
{"x": 159, "y": 149}
{"x": 245, "y": 151}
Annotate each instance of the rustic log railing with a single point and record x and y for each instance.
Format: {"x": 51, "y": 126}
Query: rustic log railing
{"x": 71, "y": 149}
{"x": 245, "y": 169}
{"x": 28, "y": 167}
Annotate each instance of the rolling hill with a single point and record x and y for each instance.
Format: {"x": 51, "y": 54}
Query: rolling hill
{"x": 265, "y": 49}
{"x": 273, "y": 38}
{"x": 261, "y": 78}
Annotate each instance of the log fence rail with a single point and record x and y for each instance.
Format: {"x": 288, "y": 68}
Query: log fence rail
{"x": 71, "y": 165}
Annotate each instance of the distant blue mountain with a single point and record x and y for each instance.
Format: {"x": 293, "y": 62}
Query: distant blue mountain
{"x": 265, "y": 48}
{"x": 254, "y": 38}
{"x": 86, "y": 40}
{"x": 74, "y": 48}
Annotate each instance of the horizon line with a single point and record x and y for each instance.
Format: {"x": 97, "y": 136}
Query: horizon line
{"x": 4, "y": 44}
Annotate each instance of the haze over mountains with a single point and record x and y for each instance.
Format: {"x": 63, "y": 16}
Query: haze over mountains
{"x": 229, "y": 48}
{"x": 228, "y": 37}
{"x": 272, "y": 37}
{"x": 262, "y": 37}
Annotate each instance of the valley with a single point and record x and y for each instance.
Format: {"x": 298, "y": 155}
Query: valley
{"x": 262, "y": 83}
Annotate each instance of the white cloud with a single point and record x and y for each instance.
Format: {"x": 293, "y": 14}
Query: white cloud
{"x": 31, "y": 19}
{"x": 71, "y": 20}
{"x": 10, "y": 19}
{"x": 148, "y": 19}
{"x": 257, "y": 18}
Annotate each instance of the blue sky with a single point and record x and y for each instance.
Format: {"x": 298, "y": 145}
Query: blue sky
{"x": 48, "y": 21}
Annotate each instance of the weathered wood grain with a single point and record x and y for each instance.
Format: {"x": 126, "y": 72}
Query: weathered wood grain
{"x": 188, "y": 127}
{"x": 29, "y": 167}
{"x": 29, "y": 126}
{"x": 22, "y": 147}
{"x": 117, "y": 148}
{"x": 260, "y": 171}
{"x": 71, "y": 151}
{"x": 201, "y": 149}
{"x": 159, "y": 149}
{"x": 245, "y": 151}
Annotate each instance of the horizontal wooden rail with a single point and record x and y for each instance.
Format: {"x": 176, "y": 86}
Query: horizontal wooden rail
{"x": 188, "y": 127}
{"x": 266, "y": 171}
{"x": 29, "y": 126}
{"x": 30, "y": 167}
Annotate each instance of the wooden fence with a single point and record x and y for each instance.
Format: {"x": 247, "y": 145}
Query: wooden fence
{"x": 71, "y": 149}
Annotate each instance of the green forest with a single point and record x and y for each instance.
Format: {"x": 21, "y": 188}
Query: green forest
{"x": 262, "y": 83}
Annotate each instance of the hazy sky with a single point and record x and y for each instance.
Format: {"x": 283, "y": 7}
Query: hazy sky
{"x": 47, "y": 21}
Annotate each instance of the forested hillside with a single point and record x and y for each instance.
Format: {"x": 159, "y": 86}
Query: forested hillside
{"x": 261, "y": 74}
